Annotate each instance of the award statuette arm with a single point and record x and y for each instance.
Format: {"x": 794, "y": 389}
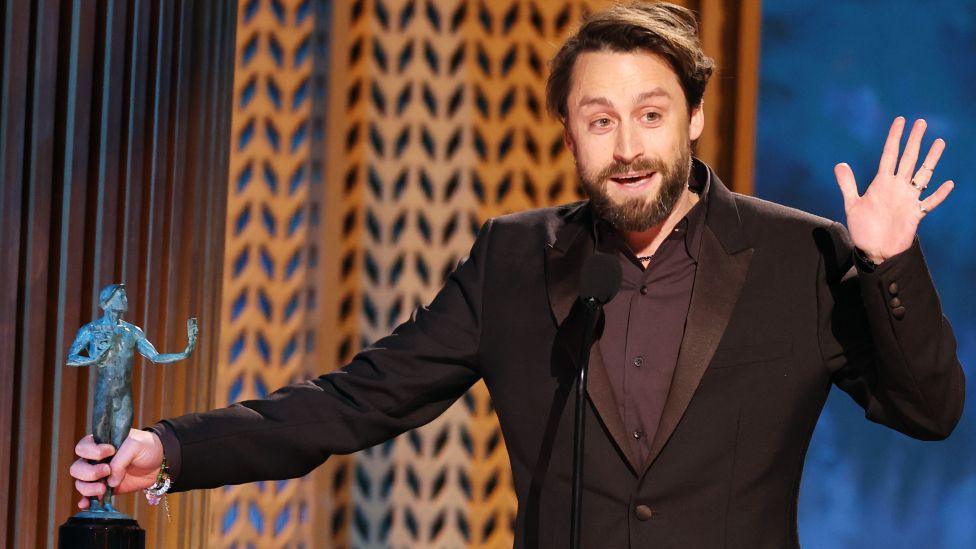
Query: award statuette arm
{"x": 76, "y": 359}
{"x": 147, "y": 349}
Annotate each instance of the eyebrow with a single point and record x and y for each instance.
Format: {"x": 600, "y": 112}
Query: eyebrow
{"x": 656, "y": 92}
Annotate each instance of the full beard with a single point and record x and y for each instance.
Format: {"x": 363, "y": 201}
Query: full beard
{"x": 639, "y": 213}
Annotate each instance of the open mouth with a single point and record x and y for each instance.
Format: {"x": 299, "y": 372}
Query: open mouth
{"x": 633, "y": 180}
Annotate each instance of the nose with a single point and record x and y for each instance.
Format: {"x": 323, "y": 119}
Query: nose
{"x": 628, "y": 146}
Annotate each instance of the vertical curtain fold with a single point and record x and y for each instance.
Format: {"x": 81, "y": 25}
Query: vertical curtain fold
{"x": 114, "y": 121}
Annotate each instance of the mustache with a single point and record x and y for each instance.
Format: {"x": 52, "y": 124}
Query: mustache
{"x": 642, "y": 164}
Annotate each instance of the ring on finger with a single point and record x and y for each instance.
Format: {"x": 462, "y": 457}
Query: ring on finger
{"x": 916, "y": 186}
{"x": 922, "y": 209}
{"x": 924, "y": 167}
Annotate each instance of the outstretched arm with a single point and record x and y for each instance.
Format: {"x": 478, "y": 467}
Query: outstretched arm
{"x": 400, "y": 382}
{"x": 147, "y": 350}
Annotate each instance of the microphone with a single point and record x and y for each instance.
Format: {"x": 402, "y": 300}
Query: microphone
{"x": 599, "y": 282}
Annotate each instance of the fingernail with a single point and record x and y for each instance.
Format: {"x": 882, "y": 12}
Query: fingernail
{"x": 112, "y": 482}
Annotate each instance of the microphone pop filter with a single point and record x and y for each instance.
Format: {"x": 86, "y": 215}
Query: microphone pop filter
{"x": 600, "y": 278}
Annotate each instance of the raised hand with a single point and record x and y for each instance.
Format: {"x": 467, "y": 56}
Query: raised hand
{"x": 884, "y": 220}
{"x": 133, "y": 468}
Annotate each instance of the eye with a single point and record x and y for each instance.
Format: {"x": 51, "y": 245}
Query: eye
{"x": 651, "y": 116}
{"x": 601, "y": 122}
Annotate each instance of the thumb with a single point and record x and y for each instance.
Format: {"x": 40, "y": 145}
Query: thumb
{"x": 847, "y": 183}
{"x": 123, "y": 459}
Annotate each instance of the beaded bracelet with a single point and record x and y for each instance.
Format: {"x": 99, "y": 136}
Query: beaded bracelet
{"x": 157, "y": 492}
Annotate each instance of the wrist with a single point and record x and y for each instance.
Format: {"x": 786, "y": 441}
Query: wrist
{"x": 869, "y": 259}
{"x": 168, "y": 446}
{"x": 158, "y": 448}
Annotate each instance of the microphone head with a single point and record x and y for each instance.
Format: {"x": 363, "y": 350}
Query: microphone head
{"x": 600, "y": 278}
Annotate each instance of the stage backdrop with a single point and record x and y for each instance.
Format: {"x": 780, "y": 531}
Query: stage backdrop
{"x": 370, "y": 140}
{"x": 834, "y": 75}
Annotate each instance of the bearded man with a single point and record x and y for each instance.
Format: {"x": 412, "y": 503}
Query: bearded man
{"x": 714, "y": 360}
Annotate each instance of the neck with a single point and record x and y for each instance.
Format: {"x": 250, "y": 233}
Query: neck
{"x": 113, "y": 316}
{"x": 645, "y": 243}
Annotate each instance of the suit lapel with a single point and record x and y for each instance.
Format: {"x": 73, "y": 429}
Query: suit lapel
{"x": 564, "y": 260}
{"x": 723, "y": 263}
{"x": 604, "y": 401}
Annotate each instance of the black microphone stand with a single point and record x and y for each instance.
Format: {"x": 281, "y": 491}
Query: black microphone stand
{"x": 592, "y": 308}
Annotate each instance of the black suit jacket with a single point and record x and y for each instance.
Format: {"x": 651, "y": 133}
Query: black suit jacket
{"x": 778, "y": 313}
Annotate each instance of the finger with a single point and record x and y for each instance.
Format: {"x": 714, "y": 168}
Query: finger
{"x": 847, "y": 183}
{"x": 83, "y": 503}
{"x": 90, "y": 489}
{"x": 910, "y": 155}
{"x": 88, "y": 449}
{"x": 889, "y": 156}
{"x": 127, "y": 452}
{"x": 924, "y": 173}
{"x": 936, "y": 198}
{"x": 83, "y": 470}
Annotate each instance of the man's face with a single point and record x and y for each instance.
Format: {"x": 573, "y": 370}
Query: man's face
{"x": 628, "y": 127}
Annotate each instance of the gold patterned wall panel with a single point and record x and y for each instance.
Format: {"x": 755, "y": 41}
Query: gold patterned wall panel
{"x": 270, "y": 260}
{"x": 418, "y": 217}
{"x": 421, "y": 119}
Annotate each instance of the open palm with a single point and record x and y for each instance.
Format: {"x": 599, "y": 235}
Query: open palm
{"x": 883, "y": 221}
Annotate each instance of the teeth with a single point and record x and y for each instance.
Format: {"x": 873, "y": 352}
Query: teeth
{"x": 638, "y": 176}
{"x": 631, "y": 178}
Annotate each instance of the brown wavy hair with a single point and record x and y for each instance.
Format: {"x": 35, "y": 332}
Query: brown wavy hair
{"x": 661, "y": 28}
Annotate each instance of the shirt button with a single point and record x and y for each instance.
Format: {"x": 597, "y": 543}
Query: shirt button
{"x": 643, "y": 290}
{"x": 893, "y": 288}
{"x": 638, "y": 434}
{"x": 639, "y": 361}
{"x": 643, "y": 512}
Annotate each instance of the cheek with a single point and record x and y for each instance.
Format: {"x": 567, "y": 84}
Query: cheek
{"x": 592, "y": 155}
{"x": 589, "y": 166}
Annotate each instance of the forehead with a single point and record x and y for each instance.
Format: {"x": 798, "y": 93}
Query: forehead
{"x": 621, "y": 77}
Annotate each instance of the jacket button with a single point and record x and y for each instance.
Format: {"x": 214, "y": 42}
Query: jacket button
{"x": 643, "y": 512}
{"x": 898, "y": 313}
{"x": 643, "y": 290}
{"x": 895, "y": 302}
{"x": 893, "y": 288}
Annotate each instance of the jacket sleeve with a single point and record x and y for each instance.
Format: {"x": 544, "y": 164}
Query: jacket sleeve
{"x": 400, "y": 382}
{"x": 886, "y": 342}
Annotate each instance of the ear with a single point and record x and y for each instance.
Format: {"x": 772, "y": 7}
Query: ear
{"x": 568, "y": 139}
{"x": 697, "y": 122}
